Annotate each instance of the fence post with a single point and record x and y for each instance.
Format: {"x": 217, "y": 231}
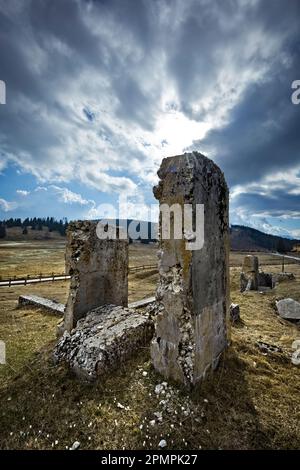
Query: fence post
{"x": 9, "y": 282}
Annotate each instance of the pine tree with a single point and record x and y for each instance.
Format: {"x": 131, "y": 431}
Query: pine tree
{"x": 2, "y": 230}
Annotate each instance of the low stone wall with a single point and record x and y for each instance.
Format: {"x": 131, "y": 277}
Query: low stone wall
{"x": 102, "y": 340}
{"x": 50, "y": 306}
{"x": 281, "y": 277}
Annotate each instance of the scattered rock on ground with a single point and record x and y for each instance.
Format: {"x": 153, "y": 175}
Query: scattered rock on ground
{"x": 267, "y": 348}
{"x": 162, "y": 443}
{"x": 296, "y": 353}
{"x": 75, "y": 445}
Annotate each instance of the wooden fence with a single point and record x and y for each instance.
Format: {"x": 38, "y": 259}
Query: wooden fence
{"x": 32, "y": 279}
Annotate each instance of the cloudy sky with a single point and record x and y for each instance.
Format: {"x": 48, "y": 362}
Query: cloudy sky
{"x": 98, "y": 92}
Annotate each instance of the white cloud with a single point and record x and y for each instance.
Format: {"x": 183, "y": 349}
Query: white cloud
{"x": 22, "y": 192}
{"x": 7, "y": 206}
{"x": 69, "y": 197}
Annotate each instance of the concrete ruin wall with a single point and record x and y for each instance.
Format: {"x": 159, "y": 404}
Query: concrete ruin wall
{"x": 98, "y": 269}
{"x": 192, "y": 327}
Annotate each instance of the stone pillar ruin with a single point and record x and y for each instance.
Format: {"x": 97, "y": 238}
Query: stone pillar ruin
{"x": 192, "y": 328}
{"x": 250, "y": 273}
{"x": 98, "y": 270}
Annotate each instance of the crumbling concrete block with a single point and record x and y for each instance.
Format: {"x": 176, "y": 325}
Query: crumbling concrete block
{"x": 50, "y": 306}
{"x": 102, "y": 340}
{"x": 98, "y": 269}
{"x": 249, "y": 274}
{"x": 192, "y": 326}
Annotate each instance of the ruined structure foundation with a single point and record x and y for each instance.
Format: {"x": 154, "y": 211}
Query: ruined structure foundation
{"x": 192, "y": 327}
{"x": 253, "y": 279}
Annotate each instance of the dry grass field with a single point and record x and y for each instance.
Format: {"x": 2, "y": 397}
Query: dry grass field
{"x": 19, "y": 258}
{"x": 250, "y": 402}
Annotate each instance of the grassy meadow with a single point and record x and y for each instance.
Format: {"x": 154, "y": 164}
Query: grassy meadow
{"x": 250, "y": 402}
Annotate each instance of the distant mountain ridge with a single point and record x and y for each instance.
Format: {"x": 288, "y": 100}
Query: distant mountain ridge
{"x": 242, "y": 238}
{"x": 247, "y": 238}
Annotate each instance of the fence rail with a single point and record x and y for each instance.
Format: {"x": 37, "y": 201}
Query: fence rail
{"x": 33, "y": 279}
{"x": 134, "y": 269}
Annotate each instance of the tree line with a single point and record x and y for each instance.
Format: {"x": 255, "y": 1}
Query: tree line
{"x": 34, "y": 223}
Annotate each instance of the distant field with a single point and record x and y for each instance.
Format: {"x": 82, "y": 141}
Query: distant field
{"x": 19, "y": 258}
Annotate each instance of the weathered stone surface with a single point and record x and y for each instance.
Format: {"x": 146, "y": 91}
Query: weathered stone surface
{"x": 235, "y": 313}
{"x": 98, "y": 269}
{"x": 249, "y": 274}
{"x": 142, "y": 303}
{"x": 288, "y": 309}
{"x": 107, "y": 336}
{"x": 281, "y": 277}
{"x": 250, "y": 264}
{"x": 192, "y": 325}
{"x": 50, "y": 306}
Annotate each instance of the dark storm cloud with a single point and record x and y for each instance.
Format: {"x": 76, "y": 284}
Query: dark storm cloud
{"x": 213, "y": 30}
{"x": 263, "y": 133}
{"x": 277, "y": 204}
